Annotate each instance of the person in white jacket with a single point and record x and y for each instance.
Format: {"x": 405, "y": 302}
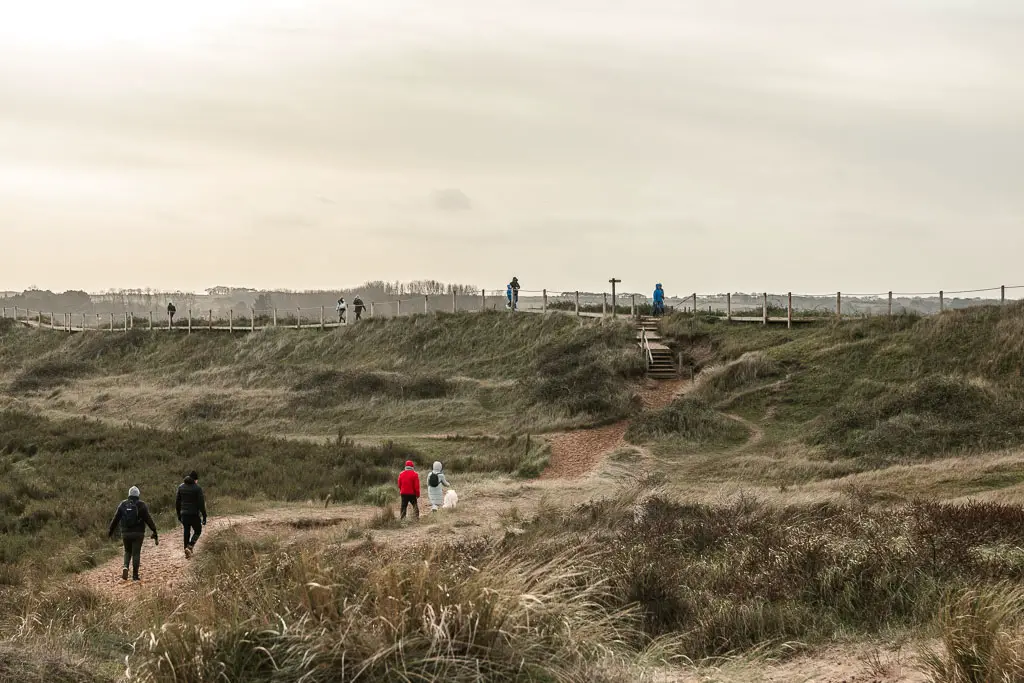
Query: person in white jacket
{"x": 436, "y": 482}
{"x": 342, "y": 307}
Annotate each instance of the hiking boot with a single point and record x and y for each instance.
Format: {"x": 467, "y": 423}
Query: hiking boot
{"x": 188, "y": 552}
{"x": 135, "y": 578}
{"x": 124, "y": 574}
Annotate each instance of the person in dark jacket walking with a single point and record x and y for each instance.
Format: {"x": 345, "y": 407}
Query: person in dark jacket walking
{"x": 171, "y": 310}
{"x": 409, "y": 488}
{"x": 133, "y": 517}
{"x": 190, "y": 505}
{"x": 359, "y": 306}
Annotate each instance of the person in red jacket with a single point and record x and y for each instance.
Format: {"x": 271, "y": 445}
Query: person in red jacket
{"x": 409, "y": 487}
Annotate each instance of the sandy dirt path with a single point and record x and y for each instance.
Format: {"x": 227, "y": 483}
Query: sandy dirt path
{"x": 575, "y": 454}
{"x": 164, "y": 566}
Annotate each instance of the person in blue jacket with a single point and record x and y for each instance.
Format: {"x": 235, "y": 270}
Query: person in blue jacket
{"x": 659, "y": 300}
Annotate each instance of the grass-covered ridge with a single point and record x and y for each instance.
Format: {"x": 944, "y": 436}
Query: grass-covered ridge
{"x": 426, "y": 373}
{"x": 880, "y": 389}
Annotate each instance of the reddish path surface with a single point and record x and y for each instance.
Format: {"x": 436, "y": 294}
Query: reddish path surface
{"x": 576, "y": 454}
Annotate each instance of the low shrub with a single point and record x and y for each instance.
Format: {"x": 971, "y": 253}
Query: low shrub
{"x": 689, "y": 419}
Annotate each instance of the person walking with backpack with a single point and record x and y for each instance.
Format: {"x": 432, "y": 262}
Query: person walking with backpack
{"x": 133, "y": 517}
{"x": 359, "y": 307}
{"x": 171, "y": 310}
{"x": 409, "y": 488}
{"x": 190, "y": 504}
{"x": 435, "y": 487}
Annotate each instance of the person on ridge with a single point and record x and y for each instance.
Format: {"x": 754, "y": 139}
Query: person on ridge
{"x": 357, "y": 303}
{"x": 409, "y": 488}
{"x": 341, "y": 308}
{"x": 133, "y": 517}
{"x": 435, "y": 487}
{"x": 190, "y": 504}
{"x": 514, "y": 285}
{"x": 171, "y": 310}
{"x": 508, "y": 296}
{"x": 659, "y": 300}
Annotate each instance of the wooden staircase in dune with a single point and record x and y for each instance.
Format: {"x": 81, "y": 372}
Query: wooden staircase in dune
{"x": 659, "y": 358}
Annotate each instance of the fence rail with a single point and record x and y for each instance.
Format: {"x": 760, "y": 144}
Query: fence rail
{"x": 763, "y": 308}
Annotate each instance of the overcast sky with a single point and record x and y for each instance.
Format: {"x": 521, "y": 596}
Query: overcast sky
{"x": 804, "y": 145}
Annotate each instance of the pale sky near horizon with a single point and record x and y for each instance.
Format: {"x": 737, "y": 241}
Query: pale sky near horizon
{"x": 804, "y": 145}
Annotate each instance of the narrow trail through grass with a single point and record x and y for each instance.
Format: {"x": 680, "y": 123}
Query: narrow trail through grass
{"x": 575, "y": 455}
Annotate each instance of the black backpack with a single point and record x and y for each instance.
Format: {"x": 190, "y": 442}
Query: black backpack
{"x": 130, "y": 518}
{"x": 433, "y": 480}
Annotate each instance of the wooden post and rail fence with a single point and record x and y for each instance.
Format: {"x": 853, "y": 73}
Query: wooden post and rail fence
{"x": 731, "y": 307}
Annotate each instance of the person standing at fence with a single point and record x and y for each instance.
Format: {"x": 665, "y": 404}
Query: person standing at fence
{"x": 659, "y": 300}
{"x": 514, "y": 285}
{"x": 409, "y": 488}
{"x": 133, "y": 517}
{"x": 359, "y": 306}
{"x": 342, "y": 307}
{"x": 190, "y": 505}
{"x": 171, "y": 310}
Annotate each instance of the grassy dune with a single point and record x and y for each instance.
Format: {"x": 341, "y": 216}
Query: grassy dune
{"x": 811, "y": 490}
{"x": 435, "y": 374}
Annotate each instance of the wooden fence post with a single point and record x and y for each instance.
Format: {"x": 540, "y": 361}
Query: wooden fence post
{"x": 632, "y": 305}
{"x": 544, "y": 309}
{"x": 151, "y": 321}
{"x": 252, "y": 319}
{"x": 275, "y": 317}
{"x": 211, "y": 320}
{"x": 695, "y": 305}
{"x": 126, "y": 322}
{"x": 764, "y": 308}
{"x": 604, "y": 305}
{"x": 398, "y": 309}
{"x": 231, "y": 320}
{"x": 839, "y": 304}
{"x": 728, "y": 307}
{"x": 789, "y": 316}
{"x": 1002, "y": 295}
{"x": 483, "y": 299}
{"x": 371, "y": 309}
{"x": 322, "y": 317}
{"x": 890, "y": 304}
{"x": 577, "y": 303}
{"x": 190, "y": 321}
{"x": 111, "y": 321}
{"x": 942, "y": 302}
{"x": 455, "y": 302}
{"x": 426, "y": 303}
{"x": 298, "y": 317}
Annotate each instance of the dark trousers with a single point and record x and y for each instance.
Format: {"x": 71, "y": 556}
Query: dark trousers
{"x": 407, "y": 500}
{"x": 193, "y": 527}
{"x": 132, "y": 552}
{"x": 359, "y": 313}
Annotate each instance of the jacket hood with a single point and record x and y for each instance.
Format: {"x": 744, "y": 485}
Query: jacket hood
{"x": 437, "y": 467}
